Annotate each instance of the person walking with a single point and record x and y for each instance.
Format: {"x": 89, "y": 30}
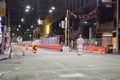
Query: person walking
{"x": 80, "y": 44}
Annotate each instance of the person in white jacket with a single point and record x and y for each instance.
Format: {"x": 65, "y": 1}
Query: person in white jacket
{"x": 80, "y": 44}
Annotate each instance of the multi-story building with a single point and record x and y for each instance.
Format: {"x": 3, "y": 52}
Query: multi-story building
{"x": 38, "y": 9}
{"x": 54, "y": 18}
{"x": 42, "y": 8}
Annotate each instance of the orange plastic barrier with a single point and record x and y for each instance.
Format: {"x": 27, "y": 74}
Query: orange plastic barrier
{"x": 56, "y": 47}
{"x": 95, "y": 49}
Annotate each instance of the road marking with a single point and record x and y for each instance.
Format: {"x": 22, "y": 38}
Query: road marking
{"x": 106, "y": 79}
{"x": 70, "y": 75}
{"x": 90, "y": 65}
{"x": 2, "y": 73}
{"x": 16, "y": 68}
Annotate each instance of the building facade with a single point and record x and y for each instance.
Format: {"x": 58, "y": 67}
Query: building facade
{"x": 100, "y": 25}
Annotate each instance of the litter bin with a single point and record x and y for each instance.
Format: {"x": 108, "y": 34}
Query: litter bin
{"x": 110, "y": 48}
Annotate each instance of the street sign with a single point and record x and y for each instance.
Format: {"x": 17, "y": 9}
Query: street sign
{"x": 2, "y": 8}
{"x": 2, "y": 12}
{"x": 107, "y": 3}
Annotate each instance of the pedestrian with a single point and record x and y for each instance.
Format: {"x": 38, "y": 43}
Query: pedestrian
{"x": 80, "y": 44}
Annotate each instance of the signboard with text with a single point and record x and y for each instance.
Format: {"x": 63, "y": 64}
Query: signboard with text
{"x": 2, "y": 8}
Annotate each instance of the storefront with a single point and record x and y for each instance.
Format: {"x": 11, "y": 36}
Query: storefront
{"x": 109, "y": 41}
{"x": 108, "y": 36}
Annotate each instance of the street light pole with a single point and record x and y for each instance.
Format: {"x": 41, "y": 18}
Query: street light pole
{"x": 66, "y": 28}
{"x": 117, "y": 25}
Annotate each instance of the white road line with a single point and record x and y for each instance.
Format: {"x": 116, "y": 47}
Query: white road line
{"x": 16, "y": 68}
{"x": 2, "y": 73}
{"x": 70, "y": 75}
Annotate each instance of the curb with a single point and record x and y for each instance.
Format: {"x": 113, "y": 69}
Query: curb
{"x": 3, "y": 59}
{"x": 6, "y": 57}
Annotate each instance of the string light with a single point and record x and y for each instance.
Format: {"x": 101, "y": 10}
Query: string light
{"x": 94, "y": 12}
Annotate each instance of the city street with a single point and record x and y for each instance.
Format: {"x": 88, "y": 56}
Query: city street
{"x": 52, "y": 65}
{"x": 40, "y": 39}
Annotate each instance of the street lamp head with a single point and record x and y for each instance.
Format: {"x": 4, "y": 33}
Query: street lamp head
{"x": 27, "y": 29}
{"x": 85, "y": 22}
{"x": 26, "y": 10}
{"x": 30, "y": 35}
{"x": 31, "y": 26}
{"x": 53, "y": 8}
{"x": 22, "y": 20}
{"x": 50, "y": 11}
{"x": 27, "y": 7}
{"x": 17, "y": 29}
{"x": 19, "y": 25}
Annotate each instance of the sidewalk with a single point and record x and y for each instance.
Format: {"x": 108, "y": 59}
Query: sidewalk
{"x": 5, "y": 55}
{"x": 112, "y": 53}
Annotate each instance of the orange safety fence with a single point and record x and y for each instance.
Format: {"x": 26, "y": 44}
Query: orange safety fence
{"x": 56, "y": 47}
{"x": 95, "y": 49}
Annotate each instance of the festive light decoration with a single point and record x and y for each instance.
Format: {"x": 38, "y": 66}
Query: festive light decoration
{"x": 90, "y": 14}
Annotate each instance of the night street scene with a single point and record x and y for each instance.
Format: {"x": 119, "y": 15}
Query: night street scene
{"x": 59, "y": 40}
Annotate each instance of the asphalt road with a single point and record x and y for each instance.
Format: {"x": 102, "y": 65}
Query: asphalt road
{"x": 51, "y": 65}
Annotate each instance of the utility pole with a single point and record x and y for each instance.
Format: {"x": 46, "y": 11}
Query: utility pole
{"x": 66, "y": 28}
{"x": 117, "y": 26}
